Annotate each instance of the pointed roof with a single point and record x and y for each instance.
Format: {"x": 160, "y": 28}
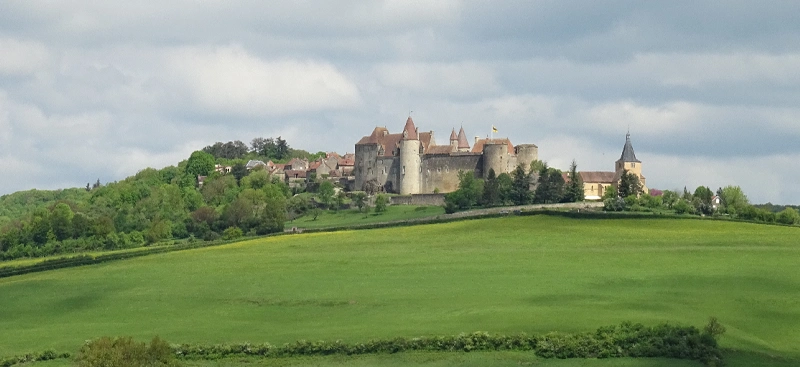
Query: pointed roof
{"x": 453, "y": 135}
{"x": 627, "y": 151}
{"x": 410, "y": 131}
{"x": 462, "y": 139}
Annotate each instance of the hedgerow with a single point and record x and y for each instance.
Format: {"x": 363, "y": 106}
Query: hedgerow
{"x": 625, "y": 340}
{"x": 32, "y": 357}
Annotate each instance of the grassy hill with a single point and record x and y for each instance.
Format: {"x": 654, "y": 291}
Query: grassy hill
{"x": 506, "y": 275}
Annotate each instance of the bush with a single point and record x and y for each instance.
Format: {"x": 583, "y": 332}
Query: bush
{"x": 232, "y": 233}
{"x": 124, "y": 351}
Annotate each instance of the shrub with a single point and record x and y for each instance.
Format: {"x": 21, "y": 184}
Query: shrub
{"x": 124, "y": 351}
{"x": 232, "y": 233}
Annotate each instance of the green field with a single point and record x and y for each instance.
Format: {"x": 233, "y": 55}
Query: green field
{"x": 517, "y": 274}
{"x": 349, "y": 217}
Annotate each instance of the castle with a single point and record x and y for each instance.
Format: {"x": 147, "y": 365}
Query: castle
{"x": 410, "y": 162}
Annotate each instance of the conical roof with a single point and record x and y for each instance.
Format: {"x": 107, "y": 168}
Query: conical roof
{"x": 453, "y": 135}
{"x": 627, "y": 151}
{"x": 410, "y": 131}
{"x": 462, "y": 139}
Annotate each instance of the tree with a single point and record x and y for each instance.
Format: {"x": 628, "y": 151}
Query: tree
{"x": 281, "y": 148}
{"x": 380, "y": 203}
{"x": 669, "y": 198}
{"x": 340, "y": 200}
{"x": 550, "y": 187}
{"x": 326, "y": 192}
{"x": 359, "y": 198}
{"x": 733, "y": 199}
{"x": 469, "y": 191}
{"x": 788, "y": 216}
{"x": 629, "y": 185}
{"x": 574, "y": 190}
{"x": 504, "y": 185}
{"x": 520, "y": 186}
{"x": 491, "y": 190}
{"x": 701, "y": 200}
{"x": 315, "y": 213}
{"x": 61, "y": 221}
{"x": 200, "y": 164}
{"x": 239, "y": 171}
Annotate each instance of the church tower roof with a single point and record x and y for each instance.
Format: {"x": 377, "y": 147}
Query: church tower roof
{"x": 410, "y": 131}
{"x": 627, "y": 151}
{"x": 462, "y": 139}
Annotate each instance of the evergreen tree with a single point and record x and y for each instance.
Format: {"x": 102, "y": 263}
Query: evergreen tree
{"x": 491, "y": 190}
{"x": 574, "y": 191}
{"x": 550, "y": 186}
{"x": 521, "y": 186}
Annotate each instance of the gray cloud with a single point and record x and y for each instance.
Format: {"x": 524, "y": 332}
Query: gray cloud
{"x": 709, "y": 92}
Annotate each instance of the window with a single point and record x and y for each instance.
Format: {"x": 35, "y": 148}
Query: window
{"x": 404, "y": 169}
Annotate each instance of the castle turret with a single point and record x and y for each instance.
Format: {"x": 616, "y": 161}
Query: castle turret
{"x": 463, "y": 144}
{"x": 453, "y": 141}
{"x": 410, "y": 162}
{"x": 495, "y": 156}
{"x": 526, "y": 153}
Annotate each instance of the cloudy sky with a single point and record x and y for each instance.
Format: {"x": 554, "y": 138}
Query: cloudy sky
{"x": 102, "y": 89}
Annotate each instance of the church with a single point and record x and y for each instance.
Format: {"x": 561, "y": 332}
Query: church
{"x": 595, "y": 183}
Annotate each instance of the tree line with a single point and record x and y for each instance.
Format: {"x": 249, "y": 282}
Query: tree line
{"x": 155, "y": 205}
{"x": 537, "y": 184}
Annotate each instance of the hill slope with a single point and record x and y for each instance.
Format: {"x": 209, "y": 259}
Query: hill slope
{"x": 530, "y": 274}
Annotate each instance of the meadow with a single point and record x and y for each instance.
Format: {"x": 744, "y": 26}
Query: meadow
{"x": 531, "y": 274}
{"x": 349, "y": 217}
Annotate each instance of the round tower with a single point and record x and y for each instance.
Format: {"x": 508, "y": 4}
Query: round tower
{"x": 495, "y": 156}
{"x": 410, "y": 162}
{"x": 526, "y": 153}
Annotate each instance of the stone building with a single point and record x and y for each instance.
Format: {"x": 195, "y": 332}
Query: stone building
{"x": 596, "y": 183}
{"x": 410, "y": 162}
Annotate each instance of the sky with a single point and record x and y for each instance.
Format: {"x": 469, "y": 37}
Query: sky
{"x": 709, "y": 90}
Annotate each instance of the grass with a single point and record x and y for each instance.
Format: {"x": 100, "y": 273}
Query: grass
{"x": 506, "y": 275}
{"x": 349, "y": 217}
{"x": 35, "y": 260}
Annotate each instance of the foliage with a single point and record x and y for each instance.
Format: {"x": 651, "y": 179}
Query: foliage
{"x": 701, "y": 200}
{"x": 550, "y": 186}
{"x": 124, "y": 351}
{"x": 788, "y": 216}
{"x": 381, "y": 201}
{"x": 232, "y": 233}
{"x": 200, "y": 164}
{"x": 47, "y": 355}
{"x": 230, "y": 150}
{"x": 520, "y": 193}
{"x": 360, "y": 199}
{"x": 491, "y": 190}
{"x": 733, "y": 199}
{"x": 470, "y": 190}
{"x": 574, "y": 191}
{"x": 326, "y": 193}
{"x": 625, "y": 340}
{"x": 629, "y": 184}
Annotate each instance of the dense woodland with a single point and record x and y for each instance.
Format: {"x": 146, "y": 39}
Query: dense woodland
{"x": 156, "y": 205}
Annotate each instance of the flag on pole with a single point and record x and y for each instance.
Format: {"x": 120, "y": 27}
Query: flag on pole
{"x": 494, "y": 129}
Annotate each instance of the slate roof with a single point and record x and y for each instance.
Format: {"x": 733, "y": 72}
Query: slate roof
{"x": 627, "y": 151}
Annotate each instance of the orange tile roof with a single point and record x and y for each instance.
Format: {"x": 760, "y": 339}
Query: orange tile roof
{"x": 478, "y": 147}
{"x": 462, "y": 139}
{"x": 410, "y": 131}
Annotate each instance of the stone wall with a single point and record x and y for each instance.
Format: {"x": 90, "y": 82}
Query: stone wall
{"x": 418, "y": 199}
{"x": 440, "y": 171}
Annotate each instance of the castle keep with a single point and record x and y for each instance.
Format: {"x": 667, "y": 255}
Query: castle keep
{"x": 411, "y": 163}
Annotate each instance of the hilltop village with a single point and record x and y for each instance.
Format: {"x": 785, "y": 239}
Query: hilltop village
{"x": 411, "y": 162}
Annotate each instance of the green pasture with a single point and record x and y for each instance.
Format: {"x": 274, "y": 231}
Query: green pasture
{"x": 532, "y": 274}
{"x": 349, "y": 217}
